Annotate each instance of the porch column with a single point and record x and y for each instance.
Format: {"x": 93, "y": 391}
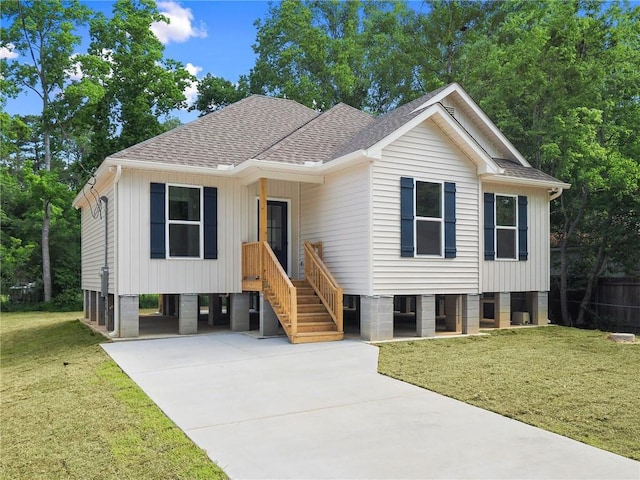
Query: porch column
{"x": 188, "y": 314}
{"x": 426, "y": 315}
{"x": 129, "y": 316}
{"x": 269, "y": 323}
{"x": 376, "y": 318}
{"x": 239, "y": 312}
{"x": 471, "y": 314}
{"x": 539, "y": 307}
{"x": 502, "y": 309}
{"x": 453, "y": 313}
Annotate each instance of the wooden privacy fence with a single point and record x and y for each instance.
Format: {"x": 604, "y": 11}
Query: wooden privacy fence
{"x": 618, "y": 301}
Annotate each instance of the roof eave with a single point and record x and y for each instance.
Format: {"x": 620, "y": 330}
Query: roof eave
{"x": 528, "y": 182}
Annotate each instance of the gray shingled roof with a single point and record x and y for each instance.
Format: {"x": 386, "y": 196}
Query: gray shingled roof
{"x": 385, "y": 125}
{"x": 319, "y": 139}
{"x": 228, "y": 136}
{"x": 285, "y": 131}
{"x": 514, "y": 169}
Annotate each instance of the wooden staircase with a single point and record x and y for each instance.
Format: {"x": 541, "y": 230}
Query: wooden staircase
{"x": 314, "y": 324}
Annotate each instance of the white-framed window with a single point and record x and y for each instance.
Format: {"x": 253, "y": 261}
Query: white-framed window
{"x": 429, "y": 220}
{"x": 184, "y": 221}
{"x": 506, "y": 237}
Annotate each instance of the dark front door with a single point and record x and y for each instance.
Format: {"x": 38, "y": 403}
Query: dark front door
{"x": 277, "y": 231}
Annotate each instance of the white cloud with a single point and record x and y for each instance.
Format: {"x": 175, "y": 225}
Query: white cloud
{"x": 180, "y": 27}
{"x": 191, "y": 92}
{"x": 7, "y": 52}
{"x": 74, "y": 71}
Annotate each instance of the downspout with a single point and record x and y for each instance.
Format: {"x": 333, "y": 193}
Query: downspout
{"x": 104, "y": 290}
{"x": 116, "y": 303}
{"x": 555, "y": 193}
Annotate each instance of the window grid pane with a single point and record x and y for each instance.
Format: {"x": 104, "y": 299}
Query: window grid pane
{"x": 184, "y": 204}
{"x": 184, "y": 240}
{"x": 506, "y": 211}
{"x": 428, "y": 200}
{"x": 505, "y": 243}
{"x": 428, "y": 237}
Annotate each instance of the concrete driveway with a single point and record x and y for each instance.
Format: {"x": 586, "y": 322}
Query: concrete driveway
{"x": 265, "y": 409}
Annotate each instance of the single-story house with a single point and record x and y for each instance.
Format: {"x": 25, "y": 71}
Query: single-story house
{"x": 271, "y": 203}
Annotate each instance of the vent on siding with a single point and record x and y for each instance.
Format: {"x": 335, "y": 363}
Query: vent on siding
{"x": 451, "y": 110}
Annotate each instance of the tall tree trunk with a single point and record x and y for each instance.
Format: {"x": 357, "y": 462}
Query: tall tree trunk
{"x": 46, "y": 260}
{"x": 570, "y": 225}
{"x": 592, "y": 281}
{"x": 46, "y": 221}
{"x": 564, "y": 273}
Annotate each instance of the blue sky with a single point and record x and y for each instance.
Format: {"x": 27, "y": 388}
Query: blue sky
{"x": 207, "y": 36}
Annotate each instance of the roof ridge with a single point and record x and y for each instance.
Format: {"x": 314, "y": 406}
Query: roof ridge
{"x": 282, "y": 139}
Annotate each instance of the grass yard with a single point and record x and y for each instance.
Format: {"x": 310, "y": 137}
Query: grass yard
{"x": 576, "y": 383}
{"x": 69, "y": 412}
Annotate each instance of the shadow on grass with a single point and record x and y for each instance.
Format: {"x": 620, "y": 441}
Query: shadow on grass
{"x": 46, "y": 340}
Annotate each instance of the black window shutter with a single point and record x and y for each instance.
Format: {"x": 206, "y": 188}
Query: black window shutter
{"x": 489, "y": 227}
{"x": 210, "y": 222}
{"x": 449, "y": 220}
{"x": 523, "y": 253}
{"x": 406, "y": 216}
{"x": 157, "y": 215}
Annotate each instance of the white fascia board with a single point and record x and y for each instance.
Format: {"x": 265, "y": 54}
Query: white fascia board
{"x": 351, "y": 159}
{"x": 168, "y": 167}
{"x": 478, "y": 155}
{"x": 527, "y": 182}
{"x": 251, "y": 170}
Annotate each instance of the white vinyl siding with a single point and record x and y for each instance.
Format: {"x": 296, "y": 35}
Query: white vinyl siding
{"x": 92, "y": 244}
{"x": 425, "y": 154}
{"x": 338, "y": 214}
{"x": 276, "y": 190}
{"x": 138, "y": 273}
{"x": 522, "y": 276}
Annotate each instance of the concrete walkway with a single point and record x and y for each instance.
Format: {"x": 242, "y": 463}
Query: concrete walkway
{"x": 265, "y": 409}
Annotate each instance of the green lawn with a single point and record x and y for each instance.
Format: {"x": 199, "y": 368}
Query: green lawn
{"x": 577, "y": 383}
{"x": 69, "y": 412}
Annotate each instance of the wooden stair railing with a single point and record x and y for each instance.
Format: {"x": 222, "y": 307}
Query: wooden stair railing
{"x": 280, "y": 292}
{"x": 309, "y": 310}
{"x": 251, "y": 267}
{"x": 323, "y": 283}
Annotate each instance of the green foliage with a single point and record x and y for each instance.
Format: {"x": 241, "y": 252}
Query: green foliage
{"x": 215, "y": 93}
{"x": 140, "y": 85}
{"x": 23, "y": 193}
{"x": 317, "y": 53}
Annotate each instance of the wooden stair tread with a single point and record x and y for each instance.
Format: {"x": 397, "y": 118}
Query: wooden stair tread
{"x": 314, "y": 322}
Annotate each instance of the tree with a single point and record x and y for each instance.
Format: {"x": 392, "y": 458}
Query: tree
{"x": 42, "y": 32}
{"x": 318, "y": 52}
{"x": 140, "y": 85}
{"x": 562, "y": 81}
{"x": 215, "y": 93}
